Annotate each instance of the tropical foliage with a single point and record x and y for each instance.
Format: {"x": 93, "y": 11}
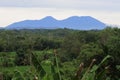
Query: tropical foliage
{"x": 60, "y": 54}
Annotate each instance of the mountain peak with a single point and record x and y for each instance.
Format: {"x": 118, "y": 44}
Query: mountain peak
{"x": 48, "y": 18}
{"x": 79, "y": 17}
{"x": 73, "y": 17}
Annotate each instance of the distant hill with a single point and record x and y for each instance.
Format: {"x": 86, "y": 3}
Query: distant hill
{"x": 74, "y": 22}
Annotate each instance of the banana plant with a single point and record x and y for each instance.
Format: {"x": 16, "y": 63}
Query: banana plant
{"x": 90, "y": 73}
{"x": 55, "y": 71}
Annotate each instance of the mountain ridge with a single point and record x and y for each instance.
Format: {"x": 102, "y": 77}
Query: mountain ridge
{"x": 48, "y": 22}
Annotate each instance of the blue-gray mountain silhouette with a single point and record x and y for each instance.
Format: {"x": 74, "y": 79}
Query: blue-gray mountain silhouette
{"x": 74, "y": 22}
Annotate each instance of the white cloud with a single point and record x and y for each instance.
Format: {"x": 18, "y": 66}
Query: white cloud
{"x": 80, "y": 4}
{"x": 101, "y": 5}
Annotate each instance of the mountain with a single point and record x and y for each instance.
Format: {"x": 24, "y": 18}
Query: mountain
{"x": 74, "y": 22}
{"x": 1, "y": 28}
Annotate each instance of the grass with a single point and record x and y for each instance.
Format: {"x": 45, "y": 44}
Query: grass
{"x": 25, "y": 70}
{"x": 11, "y": 55}
{"x": 12, "y": 69}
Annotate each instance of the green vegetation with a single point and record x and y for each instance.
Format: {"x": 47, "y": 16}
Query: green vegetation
{"x": 60, "y": 54}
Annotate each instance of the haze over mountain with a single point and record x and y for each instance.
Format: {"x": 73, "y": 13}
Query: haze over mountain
{"x": 74, "y": 22}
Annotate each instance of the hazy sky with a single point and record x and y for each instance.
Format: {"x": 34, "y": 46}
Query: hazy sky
{"x": 107, "y": 11}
